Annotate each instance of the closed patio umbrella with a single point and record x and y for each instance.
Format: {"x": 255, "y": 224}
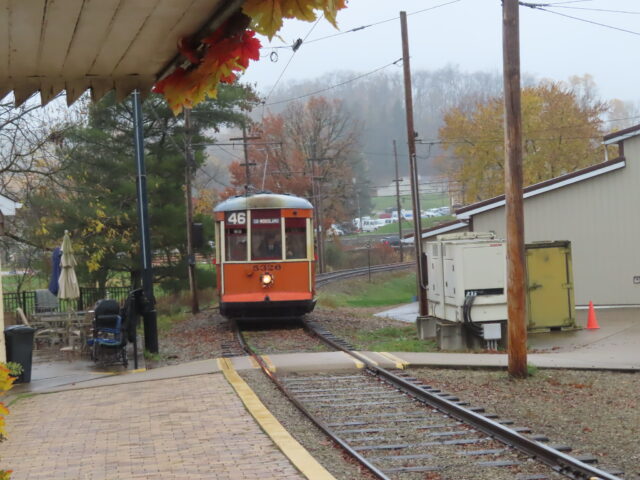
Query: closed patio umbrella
{"x": 68, "y": 283}
{"x": 54, "y": 286}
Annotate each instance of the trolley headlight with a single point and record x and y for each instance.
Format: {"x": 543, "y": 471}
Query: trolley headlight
{"x": 266, "y": 279}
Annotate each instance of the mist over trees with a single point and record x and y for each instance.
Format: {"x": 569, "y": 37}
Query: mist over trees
{"x": 445, "y": 96}
{"x": 376, "y": 102}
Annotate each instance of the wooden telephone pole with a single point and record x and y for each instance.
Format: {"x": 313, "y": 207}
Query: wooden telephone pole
{"x": 413, "y": 168}
{"x": 398, "y": 204}
{"x": 516, "y": 278}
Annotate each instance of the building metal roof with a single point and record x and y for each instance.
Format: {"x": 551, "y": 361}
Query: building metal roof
{"x": 262, "y": 200}
{"x": 76, "y": 45}
{"x": 536, "y": 189}
{"x": 620, "y": 135}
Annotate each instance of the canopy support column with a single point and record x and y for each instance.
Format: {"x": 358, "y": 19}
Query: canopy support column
{"x": 149, "y": 313}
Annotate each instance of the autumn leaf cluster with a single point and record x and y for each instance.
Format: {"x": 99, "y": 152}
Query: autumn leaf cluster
{"x": 227, "y": 51}
{"x": 267, "y": 15}
{"x": 6, "y": 382}
{"x": 224, "y": 54}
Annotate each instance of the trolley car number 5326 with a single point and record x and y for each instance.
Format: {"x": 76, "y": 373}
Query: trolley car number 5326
{"x": 266, "y": 268}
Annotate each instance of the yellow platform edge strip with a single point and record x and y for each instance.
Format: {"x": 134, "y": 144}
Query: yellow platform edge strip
{"x": 401, "y": 364}
{"x": 270, "y": 365}
{"x": 295, "y": 452}
{"x": 358, "y": 363}
{"x": 367, "y": 358}
{"x": 254, "y": 362}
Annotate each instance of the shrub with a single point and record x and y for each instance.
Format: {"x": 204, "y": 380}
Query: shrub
{"x": 6, "y": 382}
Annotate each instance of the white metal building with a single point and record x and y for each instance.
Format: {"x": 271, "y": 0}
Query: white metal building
{"x": 597, "y": 209}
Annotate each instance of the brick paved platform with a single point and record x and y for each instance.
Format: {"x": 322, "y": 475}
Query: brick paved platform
{"x": 155, "y": 429}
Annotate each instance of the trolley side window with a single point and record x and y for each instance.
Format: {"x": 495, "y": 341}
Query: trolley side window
{"x": 296, "y": 238}
{"x": 235, "y": 236}
{"x": 266, "y": 241}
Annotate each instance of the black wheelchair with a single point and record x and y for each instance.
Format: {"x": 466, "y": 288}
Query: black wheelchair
{"x": 114, "y": 328}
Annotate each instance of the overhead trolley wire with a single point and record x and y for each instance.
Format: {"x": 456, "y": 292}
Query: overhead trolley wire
{"x": 362, "y": 27}
{"x": 336, "y": 85}
{"x": 540, "y": 6}
{"x": 295, "y": 50}
{"x": 594, "y": 9}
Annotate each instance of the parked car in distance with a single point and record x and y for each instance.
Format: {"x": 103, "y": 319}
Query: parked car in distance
{"x": 335, "y": 230}
{"x": 391, "y": 240}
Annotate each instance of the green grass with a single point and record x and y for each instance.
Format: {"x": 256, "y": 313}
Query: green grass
{"x": 427, "y": 200}
{"x": 384, "y": 290}
{"x": 32, "y": 282}
{"x": 394, "y": 339}
{"x": 408, "y": 226}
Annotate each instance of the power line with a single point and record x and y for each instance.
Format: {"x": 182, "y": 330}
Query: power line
{"x": 334, "y": 86}
{"x": 227, "y": 151}
{"x": 362, "y": 27}
{"x": 295, "y": 50}
{"x": 535, "y": 6}
{"x": 595, "y": 9}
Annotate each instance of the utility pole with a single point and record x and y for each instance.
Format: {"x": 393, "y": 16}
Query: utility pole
{"x": 357, "y": 190}
{"x": 516, "y": 306}
{"x": 398, "y": 206}
{"x": 317, "y": 205}
{"x": 413, "y": 168}
{"x": 191, "y": 259}
{"x": 149, "y": 316}
{"x": 246, "y": 164}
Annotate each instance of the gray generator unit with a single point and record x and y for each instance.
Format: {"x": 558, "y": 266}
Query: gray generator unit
{"x": 467, "y": 282}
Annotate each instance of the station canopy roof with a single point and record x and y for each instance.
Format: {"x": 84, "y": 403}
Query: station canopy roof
{"x": 76, "y": 45}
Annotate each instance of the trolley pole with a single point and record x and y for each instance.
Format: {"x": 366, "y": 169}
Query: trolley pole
{"x": 516, "y": 306}
{"x": 247, "y": 166}
{"x": 191, "y": 259}
{"x": 398, "y": 206}
{"x": 413, "y": 168}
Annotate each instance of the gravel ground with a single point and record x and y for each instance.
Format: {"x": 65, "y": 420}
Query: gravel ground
{"x": 594, "y": 412}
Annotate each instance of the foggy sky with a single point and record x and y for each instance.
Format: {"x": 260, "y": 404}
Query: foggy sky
{"x": 467, "y": 33}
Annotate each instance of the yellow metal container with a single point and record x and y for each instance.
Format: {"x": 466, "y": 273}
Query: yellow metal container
{"x": 550, "y": 298}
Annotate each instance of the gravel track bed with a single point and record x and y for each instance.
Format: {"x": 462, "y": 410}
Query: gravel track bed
{"x": 330, "y": 455}
{"x": 596, "y": 413}
{"x": 288, "y": 338}
{"x": 366, "y": 399}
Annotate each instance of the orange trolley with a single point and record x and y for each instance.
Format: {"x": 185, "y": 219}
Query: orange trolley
{"x": 265, "y": 256}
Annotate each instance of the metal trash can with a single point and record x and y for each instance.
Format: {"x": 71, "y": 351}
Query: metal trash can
{"x": 19, "y": 341}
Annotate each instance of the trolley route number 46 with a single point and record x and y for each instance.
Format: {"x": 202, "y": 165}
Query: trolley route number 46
{"x": 237, "y": 218}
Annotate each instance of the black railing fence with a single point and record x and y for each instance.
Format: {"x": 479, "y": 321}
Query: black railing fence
{"x": 28, "y": 302}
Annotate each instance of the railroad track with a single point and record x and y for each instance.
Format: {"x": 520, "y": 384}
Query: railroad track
{"x": 400, "y": 428}
{"x": 325, "y": 278}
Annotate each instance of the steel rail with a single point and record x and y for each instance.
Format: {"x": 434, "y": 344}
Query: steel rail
{"x": 324, "y": 278}
{"x": 319, "y": 423}
{"x": 558, "y": 461}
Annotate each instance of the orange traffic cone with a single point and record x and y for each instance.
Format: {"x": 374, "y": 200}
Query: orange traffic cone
{"x": 592, "y": 323}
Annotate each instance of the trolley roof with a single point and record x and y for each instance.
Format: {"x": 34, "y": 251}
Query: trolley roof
{"x": 262, "y": 200}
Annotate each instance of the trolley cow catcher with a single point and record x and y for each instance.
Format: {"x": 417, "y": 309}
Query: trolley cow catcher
{"x": 265, "y": 256}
